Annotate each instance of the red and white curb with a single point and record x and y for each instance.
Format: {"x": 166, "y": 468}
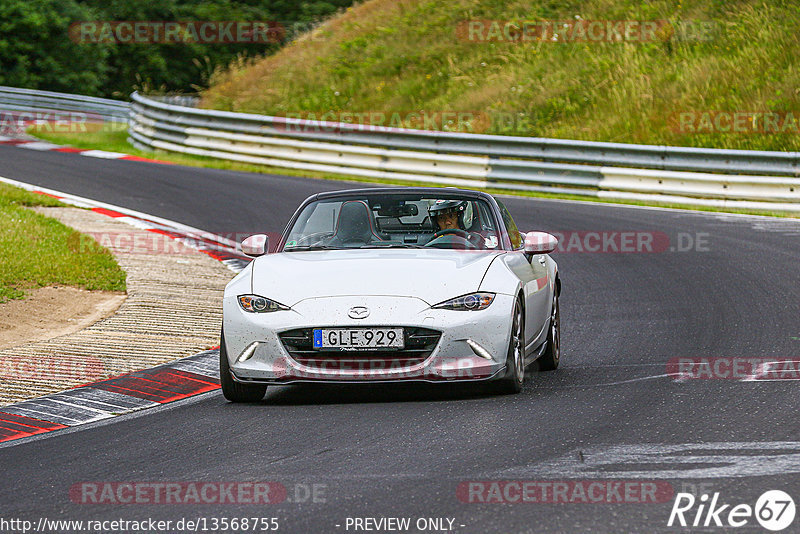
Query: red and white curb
{"x": 218, "y": 247}
{"x": 133, "y": 391}
{"x": 33, "y": 144}
{"x": 112, "y": 397}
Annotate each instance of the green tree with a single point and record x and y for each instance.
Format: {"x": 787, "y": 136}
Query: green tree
{"x": 36, "y": 52}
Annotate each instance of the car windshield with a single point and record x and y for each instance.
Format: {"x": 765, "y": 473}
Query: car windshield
{"x": 395, "y": 221}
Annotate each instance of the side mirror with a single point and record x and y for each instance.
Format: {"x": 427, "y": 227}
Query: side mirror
{"x": 539, "y": 243}
{"x": 255, "y": 245}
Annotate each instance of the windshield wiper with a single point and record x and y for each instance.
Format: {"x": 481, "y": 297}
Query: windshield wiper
{"x": 391, "y": 245}
{"x": 310, "y": 247}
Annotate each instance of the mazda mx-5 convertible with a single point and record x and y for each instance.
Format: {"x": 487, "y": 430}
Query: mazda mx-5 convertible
{"x": 389, "y": 285}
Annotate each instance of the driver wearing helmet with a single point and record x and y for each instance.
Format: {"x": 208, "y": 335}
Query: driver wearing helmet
{"x": 447, "y": 217}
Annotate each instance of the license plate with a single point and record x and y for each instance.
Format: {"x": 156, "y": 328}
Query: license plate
{"x": 358, "y": 338}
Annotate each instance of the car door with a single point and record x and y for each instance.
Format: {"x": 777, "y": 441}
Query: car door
{"x": 534, "y": 277}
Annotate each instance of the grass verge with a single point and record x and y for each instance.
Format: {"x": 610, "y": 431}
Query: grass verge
{"x": 708, "y": 63}
{"x": 39, "y": 251}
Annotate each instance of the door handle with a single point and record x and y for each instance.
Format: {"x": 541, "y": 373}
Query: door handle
{"x": 542, "y": 260}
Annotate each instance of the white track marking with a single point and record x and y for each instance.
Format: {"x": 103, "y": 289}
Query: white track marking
{"x": 39, "y": 145}
{"x": 656, "y": 461}
{"x": 89, "y": 203}
{"x": 144, "y": 221}
{"x": 103, "y": 154}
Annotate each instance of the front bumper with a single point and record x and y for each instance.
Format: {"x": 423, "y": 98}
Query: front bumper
{"x": 472, "y": 345}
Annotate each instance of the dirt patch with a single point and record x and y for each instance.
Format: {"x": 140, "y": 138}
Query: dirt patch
{"x": 152, "y": 326}
{"x": 50, "y": 312}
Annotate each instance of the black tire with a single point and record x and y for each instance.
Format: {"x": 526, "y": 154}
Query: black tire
{"x": 511, "y": 383}
{"x": 552, "y": 354}
{"x": 232, "y": 390}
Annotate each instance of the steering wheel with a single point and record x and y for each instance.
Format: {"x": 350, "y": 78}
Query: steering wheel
{"x": 474, "y": 238}
{"x": 451, "y": 231}
{"x": 459, "y": 240}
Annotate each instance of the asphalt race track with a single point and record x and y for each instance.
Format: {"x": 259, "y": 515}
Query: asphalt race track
{"x": 611, "y": 412}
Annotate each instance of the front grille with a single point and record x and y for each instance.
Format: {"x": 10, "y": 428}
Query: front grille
{"x": 419, "y": 343}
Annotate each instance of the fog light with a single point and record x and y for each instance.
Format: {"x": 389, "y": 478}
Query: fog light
{"x": 247, "y": 353}
{"x": 478, "y": 350}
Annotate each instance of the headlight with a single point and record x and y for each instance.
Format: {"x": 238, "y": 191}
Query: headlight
{"x": 471, "y": 302}
{"x": 256, "y": 304}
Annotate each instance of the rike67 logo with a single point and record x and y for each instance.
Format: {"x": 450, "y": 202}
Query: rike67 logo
{"x": 774, "y": 510}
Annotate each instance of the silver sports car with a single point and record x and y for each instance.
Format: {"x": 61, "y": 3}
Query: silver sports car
{"x": 392, "y": 284}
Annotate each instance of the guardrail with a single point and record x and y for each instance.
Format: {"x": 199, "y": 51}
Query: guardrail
{"x": 30, "y": 104}
{"x": 698, "y": 176}
{"x": 726, "y": 178}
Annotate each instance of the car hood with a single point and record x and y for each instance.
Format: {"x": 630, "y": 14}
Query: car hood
{"x": 431, "y": 275}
